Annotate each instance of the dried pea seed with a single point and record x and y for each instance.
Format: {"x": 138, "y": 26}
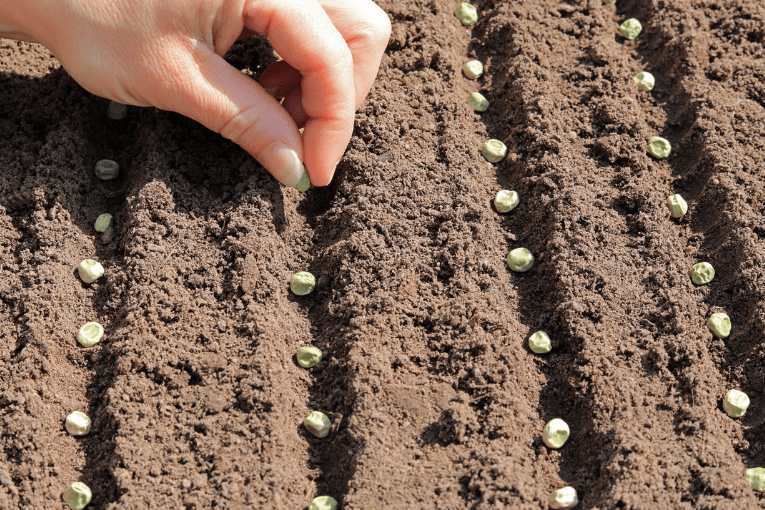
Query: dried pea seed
{"x": 630, "y": 29}
{"x": 735, "y": 403}
{"x": 644, "y": 81}
{"x": 563, "y": 499}
{"x": 77, "y": 495}
{"x": 555, "y": 433}
{"x": 308, "y": 356}
{"x": 107, "y": 170}
{"x": 756, "y": 478}
{"x": 103, "y": 222}
{"x": 494, "y": 151}
{"x": 90, "y": 334}
{"x": 677, "y": 206}
{"x": 304, "y": 183}
{"x": 659, "y": 147}
{"x": 323, "y": 503}
{"x": 719, "y": 324}
{"x": 520, "y": 260}
{"x": 317, "y": 423}
{"x": 466, "y": 13}
{"x": 506, "y": 201}
{"x": 473, "y": 69}
{"x": 702, "y": 273}
{"x": 90, "y": 270}
{"x": 302, "y": 283}
{"x": 540, "y": 343}
{"x": 78, "y": 423}
{"x": 478, "y": 102}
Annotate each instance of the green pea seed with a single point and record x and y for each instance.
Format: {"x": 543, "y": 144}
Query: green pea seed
{"x": 630, "y": 29}
{"x": 323, "y": 503}
{"x": 609, "y": 2}
{"x": 77, "y": 495}
{"x": 302, "y": 283}
{"x": 677, "y": 206}
{"x": 659, "y": 147}
{"x": 304, "y": 183}
{"x": 478, "y": 102}
{"x": 107, "y": 170}
{"x": 735, "y": 403}
{"x": 644, "y": 81}
{"x": 308, "y": 357}
{"x": 540, "y": 343}
{"x": 756, "y": 477}
{"x": 473, "y": 69}
{"x": 520, "y": 260}
{"x": 466, "y": 13}
{"x": 494, "y": 151}
{"x": 719, "y": 324}
{"x": 702, "y": 273}
{"x": 506, "y": 201}
{"x": 317, "y": 423}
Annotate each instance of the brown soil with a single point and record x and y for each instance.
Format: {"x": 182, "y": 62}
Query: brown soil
{"x": 435, "y": 399}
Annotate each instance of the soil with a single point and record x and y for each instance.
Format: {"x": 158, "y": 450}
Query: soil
{"x": 435, "y": 399}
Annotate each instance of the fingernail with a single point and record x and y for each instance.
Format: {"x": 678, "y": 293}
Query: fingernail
{"x": 283, "y": 163}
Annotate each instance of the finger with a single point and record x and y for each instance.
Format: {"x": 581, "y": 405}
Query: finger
{"x": 293, "y": 103}
{"x": 280, "y": 78}
{"x": 302, "y": 33}
{"x": 366, "y": 30}
{"x": 231, "y": 103}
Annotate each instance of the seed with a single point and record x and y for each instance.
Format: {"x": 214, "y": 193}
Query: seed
{"x": 317, "y": 424}
{"x": 103, "y": 222}
{"x": 308, "y": 357}
{"x": 304, "y": 183}
{"x": 735, "y": 403}
{"x": 630, "y": 29}
{"x": 506, "y": 201}
{"x": 78, "y": 424}
{"x": 659, "y": 147}
{"x": 563, "y": 499}
{"x": 478, "y": 102}
{"x": 116, "y": 111}
{"x": 702, "y": 273}
{"x": 466, "y": 13}
{"x": 473, "y": 69}
{"x": 609, "y": 1}
{"x": 644, "y": 81}
{"x": 719, "y": 324}
{"x": 107, "y": 170}
{"x": 323, "y": 503}
{"x": 90, "y": 270}
{"x": 90, "y": 334}
{"x": 302, "y": 283}
{"x": 540, "y": 343}
{"x": 555, "y": 433}
{"x": 494, "y": 150}
{"x": 677, "y": 206}
{"x": 77, "y": 495}
{"x": 756, "y": 477}
{"x": 520, "y": 260}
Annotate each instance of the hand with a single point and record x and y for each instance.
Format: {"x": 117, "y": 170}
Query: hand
{"x": 168, "y": 54}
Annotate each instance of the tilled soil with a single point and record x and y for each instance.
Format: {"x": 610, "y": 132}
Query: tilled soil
{"x": 435, "y": 398}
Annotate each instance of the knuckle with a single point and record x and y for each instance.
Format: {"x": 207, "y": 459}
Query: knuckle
{"x": 241, "y": 124}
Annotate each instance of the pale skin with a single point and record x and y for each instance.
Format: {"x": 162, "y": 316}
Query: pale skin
{"x": 168, "y": 54}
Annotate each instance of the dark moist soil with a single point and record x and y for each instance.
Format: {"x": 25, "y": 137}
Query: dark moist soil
{"x": 435, "y": 399}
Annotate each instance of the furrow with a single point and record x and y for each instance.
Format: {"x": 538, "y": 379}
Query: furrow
{"x": 727, "y": 218}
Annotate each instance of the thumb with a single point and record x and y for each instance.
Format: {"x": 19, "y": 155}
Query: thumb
{"x": 231, "y": 103}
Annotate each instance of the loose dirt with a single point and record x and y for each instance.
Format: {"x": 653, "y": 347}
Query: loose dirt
{"x": 436, "y": 400}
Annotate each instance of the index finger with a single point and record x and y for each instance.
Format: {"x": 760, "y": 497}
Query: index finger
{"x": 302, "y": 33}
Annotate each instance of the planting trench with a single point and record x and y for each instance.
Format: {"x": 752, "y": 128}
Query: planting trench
{"x": 435, "y": 399}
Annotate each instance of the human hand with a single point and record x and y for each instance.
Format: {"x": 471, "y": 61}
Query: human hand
{"x": 168, "y": 54}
